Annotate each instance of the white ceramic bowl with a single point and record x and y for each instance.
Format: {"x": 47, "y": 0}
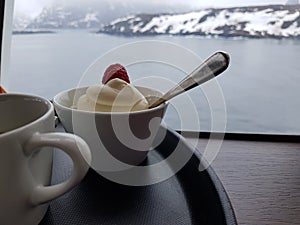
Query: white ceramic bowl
{"x": 116, "y": 139}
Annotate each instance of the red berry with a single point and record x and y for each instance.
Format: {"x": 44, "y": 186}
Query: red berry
{"x": 115, "y": 71}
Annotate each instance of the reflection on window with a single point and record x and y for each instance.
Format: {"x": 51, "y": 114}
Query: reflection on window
{"x": 54, "y": 44}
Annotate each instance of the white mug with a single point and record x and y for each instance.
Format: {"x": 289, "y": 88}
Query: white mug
{"x": 26, "y": 146}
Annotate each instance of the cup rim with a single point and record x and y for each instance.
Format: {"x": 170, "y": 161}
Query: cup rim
{"x": 42, "y": 117}
{"x": 63, "y": 93}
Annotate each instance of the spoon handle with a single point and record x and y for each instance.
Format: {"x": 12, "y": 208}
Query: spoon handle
{"x": 210, "y": 68}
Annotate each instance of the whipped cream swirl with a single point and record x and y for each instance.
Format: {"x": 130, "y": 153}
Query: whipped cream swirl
{"x": 115, "y": 96}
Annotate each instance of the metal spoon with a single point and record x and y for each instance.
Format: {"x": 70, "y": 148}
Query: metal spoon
{"x": 210, "y": 68}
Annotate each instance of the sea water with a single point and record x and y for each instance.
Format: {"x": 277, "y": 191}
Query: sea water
{"x": 259, "y": 92}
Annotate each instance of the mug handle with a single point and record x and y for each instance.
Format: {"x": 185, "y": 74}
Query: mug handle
{"x": 72, "y": 145}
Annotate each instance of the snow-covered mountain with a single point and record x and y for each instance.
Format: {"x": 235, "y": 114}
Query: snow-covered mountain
{"x": 262, "y": 21}
{"x": 94, "y": 13}
{"x": 58, "y": 17}
{"x": 21, "y": 21}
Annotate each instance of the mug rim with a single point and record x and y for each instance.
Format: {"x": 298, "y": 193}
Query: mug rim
{"x": 46, "y": 102}
{"x": 64, "y": 93}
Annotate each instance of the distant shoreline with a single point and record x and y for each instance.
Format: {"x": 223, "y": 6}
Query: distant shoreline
{"x": 21, "y": 32}
{"x": 229, "y": 36}
{"x": 129, "y": 35}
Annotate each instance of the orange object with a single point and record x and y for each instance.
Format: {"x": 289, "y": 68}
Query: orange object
{"x": 2, "y": 90}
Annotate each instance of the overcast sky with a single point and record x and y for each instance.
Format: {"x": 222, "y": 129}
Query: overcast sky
{"x": 34, "y": 6}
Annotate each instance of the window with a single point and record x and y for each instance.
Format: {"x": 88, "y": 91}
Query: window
{"x": 54, "y": 45}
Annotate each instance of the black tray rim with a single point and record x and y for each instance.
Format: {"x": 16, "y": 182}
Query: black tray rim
{"x": 228, "y": 210}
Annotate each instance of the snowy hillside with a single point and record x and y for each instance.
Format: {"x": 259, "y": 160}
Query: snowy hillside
{"x": 92, "y": 14}
{"x": 21, "y": 21}
{"x": 58, "y": 17}
{"x": 263, "y": 21}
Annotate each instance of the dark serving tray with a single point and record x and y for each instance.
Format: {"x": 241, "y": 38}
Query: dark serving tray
{"x": 188, "y": 197}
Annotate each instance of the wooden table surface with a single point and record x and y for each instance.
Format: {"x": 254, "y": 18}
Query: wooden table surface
{"x": 262, "y": 179}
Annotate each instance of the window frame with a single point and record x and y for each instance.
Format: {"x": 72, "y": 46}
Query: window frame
{"x": 2, "y": 4}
